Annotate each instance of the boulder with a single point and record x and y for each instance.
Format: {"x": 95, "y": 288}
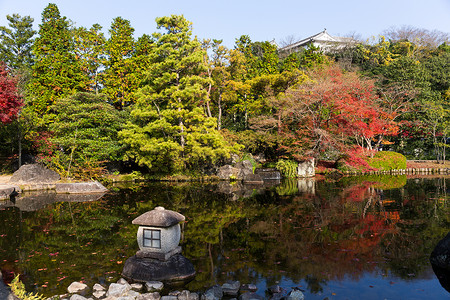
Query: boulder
{"x": 440, "y": 257}
{"x": 118, "y": 290}
{"x": 176, "y": 269}
{"x": 213, "y": 293}
{"x": 295, "y": 294}
{"x": 149, "y": 296}
{"x": 187, "y": 295}
{"x": 245, "y": 168}
{"x": 440, "y": 262}
{"x": 34, "y": 173}
{"x": 227, "y": 172}
{"x": 306, "y": 168}
{"x": 154, "y": 286}
{"x": 80, "y": 188}
{"x": 275, "y": 289}
{"x": 253, "y": 179}
{"x": 231, "y": 288}
{"x": 268, "y": 173}
{"x": 78, "y": 288}
{"x": 248, "y": 288}
{"x": 9, "y": 191}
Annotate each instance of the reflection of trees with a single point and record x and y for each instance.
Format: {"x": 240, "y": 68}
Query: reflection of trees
{"x": 341, "y": 231}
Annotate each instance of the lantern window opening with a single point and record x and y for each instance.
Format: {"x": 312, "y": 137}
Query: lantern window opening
{"x": 152, "y": 238}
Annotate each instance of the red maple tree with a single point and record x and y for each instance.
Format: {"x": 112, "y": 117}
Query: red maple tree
{"x": 335, "y": 109}
{"x": 10, "y": 100}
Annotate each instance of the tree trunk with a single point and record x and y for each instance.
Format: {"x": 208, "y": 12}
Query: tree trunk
{"x": 19, "y": 142}
{"x": 219, "y": 117}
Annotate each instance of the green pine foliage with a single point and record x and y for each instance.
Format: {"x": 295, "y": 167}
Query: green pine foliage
{"x": 16, "y": 41}
{"x": 169, "y": 131}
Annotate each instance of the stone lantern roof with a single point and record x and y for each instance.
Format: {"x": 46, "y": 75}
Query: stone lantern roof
{"x": 159, "y": 217}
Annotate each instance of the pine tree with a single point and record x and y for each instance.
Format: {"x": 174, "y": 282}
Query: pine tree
{"x": 16, "y": 41}
{"x": 170, "y": 130}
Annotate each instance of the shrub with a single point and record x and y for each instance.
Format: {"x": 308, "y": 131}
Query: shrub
{"x": 288, "y": 168}
{"x": 18, "y": 289}
{"x": 387, "y": 160}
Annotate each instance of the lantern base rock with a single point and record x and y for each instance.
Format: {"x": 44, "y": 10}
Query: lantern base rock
{"x": 176, "y": 269}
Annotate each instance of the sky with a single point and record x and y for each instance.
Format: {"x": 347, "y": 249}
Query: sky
{"x": 262, "y": 20}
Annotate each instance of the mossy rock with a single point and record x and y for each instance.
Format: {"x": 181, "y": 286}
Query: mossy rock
{"x": 387, "y": 160}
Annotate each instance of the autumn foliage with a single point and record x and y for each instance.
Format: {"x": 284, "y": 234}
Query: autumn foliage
{"x": 10, "y": 100}
{"x": 333, "y": 111}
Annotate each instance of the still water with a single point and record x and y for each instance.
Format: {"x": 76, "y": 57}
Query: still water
{"x": 358, "y": 238}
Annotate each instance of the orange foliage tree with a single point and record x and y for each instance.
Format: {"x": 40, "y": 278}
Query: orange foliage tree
{"x": 333, "y": 112}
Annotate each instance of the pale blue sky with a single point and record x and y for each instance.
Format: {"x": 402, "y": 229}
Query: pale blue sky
{"x": 261, "y": 20}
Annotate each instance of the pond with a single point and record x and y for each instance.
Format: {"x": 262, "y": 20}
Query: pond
{"x": 361, "y": 237}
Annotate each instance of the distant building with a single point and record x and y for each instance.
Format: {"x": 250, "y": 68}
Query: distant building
{"x": 323, "y": 40}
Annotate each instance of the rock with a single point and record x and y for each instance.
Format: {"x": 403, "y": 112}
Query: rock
{"x": 274, "y": 289}
{"x": 176, "y": 269}
{"x": 295, "y": 294}
{"x": 78, "y": 297}
{"x": 245, "y": 169}
{"x": 8, "y": 192}
{"x": 80, "y": 188}
{"x": 5, "y": 292}
{"x": 137, "y": 287}
{"x": 306, "y": 168}
{"x": 154, "y": 286}
{"x": 187, "y": 295}
{"x": 98, "y": 287}
{"x": 149, "y": 296}
{"x": 99, "y": 294}
{"x": 227, "y": 172}
{"x": 213, "y": 293}
{"x": 78, "y": 288}
{"x": 268, "y": 174}
{"x": 248, "y": 288}
{"x": 34, "y": 173}
{"x": 253, "y": 179}
{"x": 122, "y": 281}
{"x": 169, "y": 298}
{"x": 174, "y": 293}
{"x": 440, "y": 262}
{"x": 250, "y": 296}
{"x": 231, "y": 288}
{"x": 440, "y": 257}
{"x": 118, "y": 290}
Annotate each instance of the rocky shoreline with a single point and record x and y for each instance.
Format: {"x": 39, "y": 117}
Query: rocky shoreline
{"x": 35, "y": 177}
{"x": 154, "y": 290}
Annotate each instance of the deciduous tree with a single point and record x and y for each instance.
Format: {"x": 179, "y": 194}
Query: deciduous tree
{"x": 10, "y": 100}
{"x": 57, "y": 72}
{"x": 119, "y": 80}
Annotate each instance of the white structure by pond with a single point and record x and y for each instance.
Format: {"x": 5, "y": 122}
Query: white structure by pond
{"x": 159, "y": 233}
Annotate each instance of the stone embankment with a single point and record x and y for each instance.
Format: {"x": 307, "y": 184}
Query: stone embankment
{"x": 154, "y": 290}
{"x": 409, "y": 171}
{"x": 35, "y": 177}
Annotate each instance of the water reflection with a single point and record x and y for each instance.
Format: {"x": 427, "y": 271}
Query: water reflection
{"x": 364, "y": 236}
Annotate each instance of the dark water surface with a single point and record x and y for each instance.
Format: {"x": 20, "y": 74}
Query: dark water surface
{"x": 359, "y": 238}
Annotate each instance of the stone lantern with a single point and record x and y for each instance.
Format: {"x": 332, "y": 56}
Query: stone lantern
{"x": 159, "y": 233}
{"x": 159, "y": 256}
